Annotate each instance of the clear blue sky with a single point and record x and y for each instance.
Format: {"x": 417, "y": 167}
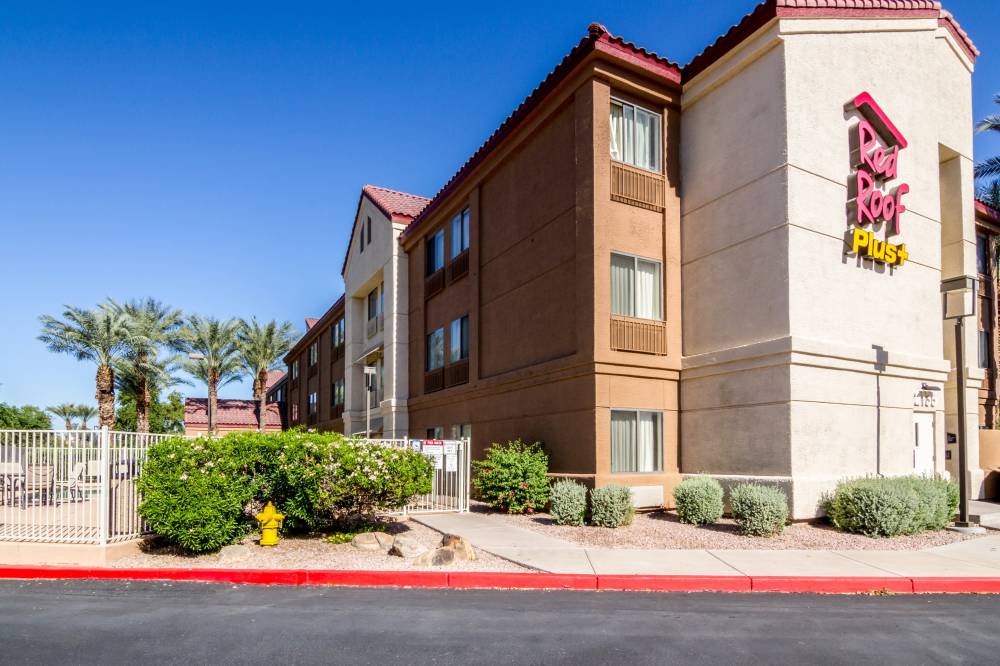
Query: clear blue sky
{"x": 211, "y": 154}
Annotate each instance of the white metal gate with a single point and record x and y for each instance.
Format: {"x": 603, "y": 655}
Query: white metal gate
{"x": 450, "y": 483}
{"x": 71, "y": 486}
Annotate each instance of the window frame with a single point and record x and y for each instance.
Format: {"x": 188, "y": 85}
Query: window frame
{"x": 658, "y": 455}
{"x": 984, "y": 268}
{"x": 313, "y": 403}
{"x": 659, "y": 144}
{"x": 371, "y": 304}
{"x": 313, "y": 353}
{"x": 427, "y": 350}
{"x": 460, "y": 223}
{"x": 463, "y": 335}
{"x": 635, "y": 276}
{"x": 431, "y": 242}
{"x": 295, "y": 369}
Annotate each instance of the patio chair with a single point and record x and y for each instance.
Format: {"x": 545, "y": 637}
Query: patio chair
{"x": 72, "y": 484}
{"x": 38, "y": 480}
{"x": 11, "y": 477}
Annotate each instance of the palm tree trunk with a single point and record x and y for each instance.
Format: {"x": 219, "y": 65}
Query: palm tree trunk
{"x": 106, "y": 395}
{"x": 69, "y": 423}
{"x": 213, "y": 398}
{"x": 260, "y": 394}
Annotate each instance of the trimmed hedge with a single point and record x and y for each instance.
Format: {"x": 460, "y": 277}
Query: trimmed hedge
{"x": 885, "y": 507}
{"x": 202, "y": 494}
{"x": 569, "y": 502}
{"x": 759, "y": 510}
{"x": 611, "y": 506}
{"x": 512, "y": 477}
{"x": 699, "y": 500}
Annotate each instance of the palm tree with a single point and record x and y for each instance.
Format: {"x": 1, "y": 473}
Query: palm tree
{"x": 990, "y": 168}
{"x": 212, "y": 357}
{"x": 91, "y": 335}
{"x": 145, "y": 382}
{"x": 66, "y": 411}
{"x": 151, "y": 326}
{"x": 85, "y": 413}
{"x": 261, "y": 349}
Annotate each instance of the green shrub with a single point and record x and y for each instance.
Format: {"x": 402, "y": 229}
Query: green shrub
{"x": 611, "y": 506}
{"x": 569, "y": 502}
{"x": 699, "y": 500}
{"x": 202, "y": 494}
{"x": 512, "y": 477}
{"x": 759, "y": 510}
{"x": 885, "y": 507}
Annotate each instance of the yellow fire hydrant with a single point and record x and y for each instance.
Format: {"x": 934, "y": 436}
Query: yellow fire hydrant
{"x": 270, "y": 523}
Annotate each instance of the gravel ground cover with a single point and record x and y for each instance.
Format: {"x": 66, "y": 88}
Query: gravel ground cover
{"x": 662, "y": 529}
{"x": 312, "y": 552}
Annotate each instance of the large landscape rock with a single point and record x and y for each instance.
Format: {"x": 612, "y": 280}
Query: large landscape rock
{"x": 372, "y": 541}
{"x": 435, "y": 558}
{"x": 404, "y": 546}
{"x": 463, "y": 549}
{"x": 235, "y": 553}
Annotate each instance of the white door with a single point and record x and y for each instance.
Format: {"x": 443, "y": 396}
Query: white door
{"x": 923, "y": 443}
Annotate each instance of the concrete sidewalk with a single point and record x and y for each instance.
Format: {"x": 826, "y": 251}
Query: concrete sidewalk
{"x": 973, "y": 558}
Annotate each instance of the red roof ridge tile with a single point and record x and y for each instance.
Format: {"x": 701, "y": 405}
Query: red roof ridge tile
{"x": 598, "y": 39}
{"x": 987, "y": 211}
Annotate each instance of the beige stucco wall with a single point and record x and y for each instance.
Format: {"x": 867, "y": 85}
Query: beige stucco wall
{"x": 782, "y": 377}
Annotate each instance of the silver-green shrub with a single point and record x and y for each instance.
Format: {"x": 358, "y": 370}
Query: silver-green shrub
{"x": 569, "y": 502}
{"x": 885, "y": 507}
{"x": 611, "y": 506}
{"x": 699, "y": 500}
{"x": 759, "y": 510}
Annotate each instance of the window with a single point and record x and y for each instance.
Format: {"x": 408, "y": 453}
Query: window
{"x": 461, "y": 431}
{"x": 435, "y": 350}
{"x": 435, "y": 432}
{"x": 295, "y": 411}
{"x": 636, "y": 441}
{"x": 369, "y": 230}
{"x": 458, "y": 349}
{"x": 313, "y": 353}
{"x": 295, "y": 369}
{"x": 635, "y": 136}
{"x": 373, "y": 303}
{"x": 312, "y": 403}
{"x": 983, "y": 253}
{"x": 337, "y": 336}
{"x": 984, "y": 349}
{"x": 435, "y": 252}
{"x": 636, "y": 288}
{"x": 362, "y": 238}
{"x": 337, "y": 393}
{"x": 460, "y": 233}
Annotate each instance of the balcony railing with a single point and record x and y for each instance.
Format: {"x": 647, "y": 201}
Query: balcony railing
{"x": 313, "y": 369}
{"x": 456, "y": 373}
{"x": 636, "y": 187}
{"x": 337, "y": 353}
{"x": 433, "y": 380}
{"x": 459, "y": 267}
{"x": 336, "y": 411}
{"x": 646, "y": 336}
{"x": 434, "y": 283}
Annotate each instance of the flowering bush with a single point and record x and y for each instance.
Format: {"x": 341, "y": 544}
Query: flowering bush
{"x": 512, "y": 477}
{"x": 202, "y": 494}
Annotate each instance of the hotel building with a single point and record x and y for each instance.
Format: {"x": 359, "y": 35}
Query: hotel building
{"x": 732, "y": 267}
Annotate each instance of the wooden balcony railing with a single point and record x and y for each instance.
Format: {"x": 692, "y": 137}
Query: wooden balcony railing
{"x": 459, "y": 267}
{"x": 646, "y": 336}
{"x": 313, "y": 369}
{"x": 294, "y": 384}
{"x": 433, "y": 380}
{"x": 434, "y": 284}
{"x": 336, "y": 411}
{"x": 636, "y": 187}
{"x": 456, "y": 373}
{"x": 337, "y": 353}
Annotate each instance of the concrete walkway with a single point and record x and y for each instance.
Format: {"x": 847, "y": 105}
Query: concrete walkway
{"x": 973, "y": 558}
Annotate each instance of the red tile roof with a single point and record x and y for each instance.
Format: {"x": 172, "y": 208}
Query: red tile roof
{"x": 397, "y": 206}
{"x": 311, "y": 321}
{"x": 771, "y": 9}
{"x": 987, "y": 212}
{"x": 309, "y": 336}
{"x": 231, "y": 414}
{"x": 273, "y": 377}
{"x": 598, "y": 39}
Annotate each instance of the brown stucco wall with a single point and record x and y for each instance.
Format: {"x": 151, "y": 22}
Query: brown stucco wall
{"x": 543, "y": 227}
{"x": 327, "y": 370}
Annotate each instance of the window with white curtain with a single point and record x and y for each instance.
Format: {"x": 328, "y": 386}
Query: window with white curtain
{"x": 635, "y": 135}
{"x": 636, "y": 287}
{"x": 636, "y": 441}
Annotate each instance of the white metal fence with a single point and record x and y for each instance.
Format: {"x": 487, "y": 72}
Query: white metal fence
{"x": 71, "y": 486}
{"x": 79, "y": 486}
{"x": 450, "y": 484}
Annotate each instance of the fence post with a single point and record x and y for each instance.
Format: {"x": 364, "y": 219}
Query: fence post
{"x": 467, "y": 481}
{"x": 406, "y": 445}
{"x": 105, "y": 496}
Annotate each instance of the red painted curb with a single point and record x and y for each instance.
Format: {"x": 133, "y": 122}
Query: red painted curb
{"x": 674, "y": 583}
{"x": 510, "y": 580}
{"x": 957, "y": 585}
{"x": 526, "y": 581}
{"x": 830, "y": 584}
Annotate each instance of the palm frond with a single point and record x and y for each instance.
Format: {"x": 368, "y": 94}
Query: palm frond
{"x": 89, "y": 335}
{"x": 989, "y": 124}
{"x": 988, "y": 168}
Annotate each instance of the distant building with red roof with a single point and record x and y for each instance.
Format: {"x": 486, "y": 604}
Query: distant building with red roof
{"x": 232, "y": 415}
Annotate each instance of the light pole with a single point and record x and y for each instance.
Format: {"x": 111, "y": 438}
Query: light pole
{"x": 959, "y": 296}
{"x": 369, "y": 388}
{"x": 198, "y": 356}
